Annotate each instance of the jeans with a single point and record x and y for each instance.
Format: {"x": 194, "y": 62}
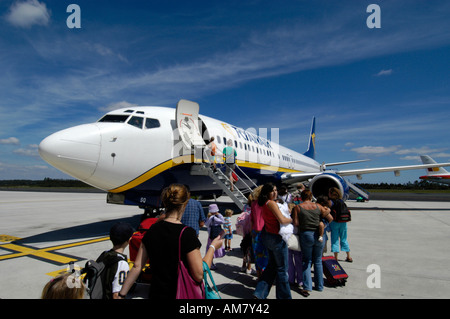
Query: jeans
{"x": 295, "y": 267}
{"x": 277, "y": 267}
{"x": 312, "y": 255}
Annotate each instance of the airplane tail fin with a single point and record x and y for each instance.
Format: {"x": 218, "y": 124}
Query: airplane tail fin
{"x": 311, "y": 152}
{"x": 435, "y": 170}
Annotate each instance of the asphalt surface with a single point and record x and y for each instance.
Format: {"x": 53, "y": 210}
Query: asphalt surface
{"x": 403, "y": 243}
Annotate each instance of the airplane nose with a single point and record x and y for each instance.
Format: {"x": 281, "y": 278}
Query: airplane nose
{"x": 74, "y": 151}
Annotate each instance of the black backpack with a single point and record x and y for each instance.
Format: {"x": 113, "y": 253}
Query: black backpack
{"x": 99, "y": 275}
{"x": 341, "y": 212}
{"x": 215, "y": 231}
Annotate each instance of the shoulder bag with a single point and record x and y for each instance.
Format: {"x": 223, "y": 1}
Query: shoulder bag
{"x": 187, "y": 287}
{"x": 210, "y": 292}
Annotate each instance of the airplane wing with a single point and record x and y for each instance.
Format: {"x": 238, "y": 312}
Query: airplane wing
{"x": 291, "y": 178}
{"x": 299, "y": 177}
{"x": 395, "y": 169}
{"x": 344, "y": 163}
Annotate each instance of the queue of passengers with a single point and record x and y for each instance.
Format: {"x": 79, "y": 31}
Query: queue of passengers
{"x": 274, "y": 262}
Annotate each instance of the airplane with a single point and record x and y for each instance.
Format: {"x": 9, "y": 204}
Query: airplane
{"x": 435, "y": 174}
{"x": 134, "y": 153}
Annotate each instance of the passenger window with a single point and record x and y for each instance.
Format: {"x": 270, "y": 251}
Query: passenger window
{"x": 218, "y": 139}
{"x": 136, "y": 121}
{"x": 151, "y": 123}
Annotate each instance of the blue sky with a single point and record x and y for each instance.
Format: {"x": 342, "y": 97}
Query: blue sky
{"x": 381, "y": 93}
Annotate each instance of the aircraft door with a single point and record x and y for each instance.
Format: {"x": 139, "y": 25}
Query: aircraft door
{"x": 189, "y": 126}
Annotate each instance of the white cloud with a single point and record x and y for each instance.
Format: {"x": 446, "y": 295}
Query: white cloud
{"x": 375, "y": 150}
{"x": 105, "y": 51}
{"x": 384, "y": 72}
{"x": 30, "y": 151}
{"x": 410, "y": 158}
{"x": 349, "y": 144}
{"x": 447, "y": 155}
{"x": 27, "y": 13}
{"x": 10, "y": 141}
{"x": 422, "y": 151}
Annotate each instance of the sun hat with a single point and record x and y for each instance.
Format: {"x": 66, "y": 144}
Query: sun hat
{"x": 213, "y": 208}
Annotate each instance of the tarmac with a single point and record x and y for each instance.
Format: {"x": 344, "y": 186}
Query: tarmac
{"x": 400, "y": 249}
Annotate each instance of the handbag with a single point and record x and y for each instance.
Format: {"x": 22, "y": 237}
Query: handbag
{"x": 210, "y": 292}
{"x": 294, "y": 242}
{"x": 187, "y": 287}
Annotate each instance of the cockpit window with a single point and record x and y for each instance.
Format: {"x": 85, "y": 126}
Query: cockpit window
{"x": 136, "y": 121}
{"x": 114, "y": 118}
{"x": 152, "y": 123}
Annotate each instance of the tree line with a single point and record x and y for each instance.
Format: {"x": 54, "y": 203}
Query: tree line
{"x": 46, "y": 182}
{"x": 416, "y": 185}
{"x": 58, "y": 183}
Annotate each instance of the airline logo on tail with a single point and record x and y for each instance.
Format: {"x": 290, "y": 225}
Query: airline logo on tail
{"x": 311, "y": 152}
{"x": 435, "y": 174}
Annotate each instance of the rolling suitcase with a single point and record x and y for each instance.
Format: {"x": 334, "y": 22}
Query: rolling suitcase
{"x": 333, "y": 271}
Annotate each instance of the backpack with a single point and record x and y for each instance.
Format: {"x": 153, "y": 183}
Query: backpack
{"x": 98, "y": 279}
{"x": 243, "y": 226}
{"x": 137, "y": 237}
{"x": 341, "y": 212}
{"x": 215, "y": 231}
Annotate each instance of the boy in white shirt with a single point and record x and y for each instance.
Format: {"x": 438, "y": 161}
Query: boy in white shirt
{"x": 115, "y": 260}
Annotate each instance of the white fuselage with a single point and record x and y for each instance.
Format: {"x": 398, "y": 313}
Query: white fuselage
{"x": 114, "y": 155}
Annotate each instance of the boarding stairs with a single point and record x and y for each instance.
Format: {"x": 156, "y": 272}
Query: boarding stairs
{"x": 238, "y": 195}
{"x": 358, "y": 190}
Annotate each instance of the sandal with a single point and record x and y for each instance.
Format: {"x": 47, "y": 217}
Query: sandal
{"x": 349, "y": 260}
{"x": 304, "y": 293}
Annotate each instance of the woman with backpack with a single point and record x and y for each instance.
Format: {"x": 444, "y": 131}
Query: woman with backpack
{"x": 341, "y": 215}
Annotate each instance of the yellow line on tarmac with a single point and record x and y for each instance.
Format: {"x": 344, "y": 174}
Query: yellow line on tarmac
{"x": 25, "y": 251}
{"x": 45, "y": 253}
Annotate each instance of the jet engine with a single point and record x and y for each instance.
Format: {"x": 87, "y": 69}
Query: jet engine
{"x": 320, "y": 185}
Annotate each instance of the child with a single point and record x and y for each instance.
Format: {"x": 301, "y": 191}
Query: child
{"x": 116, "y": 261}
{"x": 214, "y": 225}
{"x": 324, "y": 222}
{"x": 286, "y": 230}
{"x": 228, "y": 229}
{"x": 65, "y": 286}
